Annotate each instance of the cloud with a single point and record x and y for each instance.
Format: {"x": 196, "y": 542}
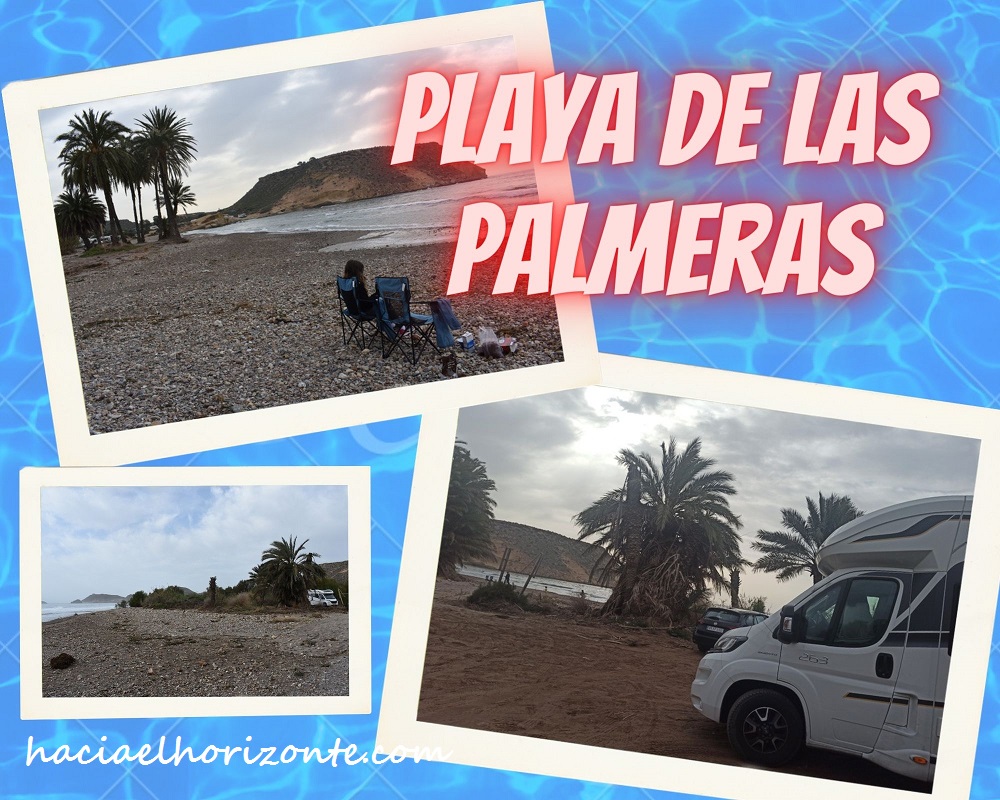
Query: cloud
{"x": 553, "y": 455}
{"x": 246, "y": 128}
{"x": 119, "y": 539}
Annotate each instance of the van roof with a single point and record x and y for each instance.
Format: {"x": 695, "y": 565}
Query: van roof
{"x": 907, "y": 535}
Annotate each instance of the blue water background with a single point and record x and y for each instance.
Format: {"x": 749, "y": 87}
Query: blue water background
{"x": 926, "y": 328}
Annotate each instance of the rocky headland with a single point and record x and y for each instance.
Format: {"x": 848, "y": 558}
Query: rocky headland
{"x": 341, "y": 178}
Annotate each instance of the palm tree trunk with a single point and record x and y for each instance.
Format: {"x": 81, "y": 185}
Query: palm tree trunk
{"x": 142, "y": 233}
{"x": 160, "y": 229}
{"x": 112, "y": 217}
{"x": 121, "y": 232}
{"x": 734, "y": 588}
{"x": 135, "y": 215}
{"x": 172, "y": 230}
{"x": 631, "y": 518}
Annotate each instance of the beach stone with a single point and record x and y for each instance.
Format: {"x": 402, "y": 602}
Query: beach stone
{"x": 132, "y": 327}
{"x": 61, "y": 661}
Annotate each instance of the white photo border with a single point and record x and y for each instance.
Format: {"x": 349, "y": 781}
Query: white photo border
{"x": 525, "y": 24}
{"x": 398, "y": 723}
{"x": 358, "y": 699}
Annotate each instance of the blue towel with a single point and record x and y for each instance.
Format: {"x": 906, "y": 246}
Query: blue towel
{"x": 445, "y": 321}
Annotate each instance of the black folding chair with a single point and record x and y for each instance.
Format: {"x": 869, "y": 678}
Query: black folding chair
{"x": 353, "y": 319}
{"x": 397, "y": 324}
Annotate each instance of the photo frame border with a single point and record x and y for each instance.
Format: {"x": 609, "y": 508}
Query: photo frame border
{"x": 359, "y": 697}
{"x": 76, "y": 445}
{"x": 398, "y": 723}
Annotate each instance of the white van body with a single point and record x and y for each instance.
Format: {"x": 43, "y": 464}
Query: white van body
{"x": 322, "y": 597}
{"x": 857, "y": 663}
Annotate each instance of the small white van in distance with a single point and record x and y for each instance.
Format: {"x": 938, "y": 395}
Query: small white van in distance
{"x": 857, "y": 663}
{"x": 322, "y": 597}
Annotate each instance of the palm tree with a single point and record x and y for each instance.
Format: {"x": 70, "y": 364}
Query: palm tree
{"x": 467, "y": 516}
{"x": 79, "y": 213}
{"x": 94, "y": 157}
{"x": 669, "y": 531}
{"x": 138, "y": 170}
{"x": 286, "y": 573}
{"x": 171, "y": 148}
{"x": 180, "y": 195}
{"x": 792, "y": 551}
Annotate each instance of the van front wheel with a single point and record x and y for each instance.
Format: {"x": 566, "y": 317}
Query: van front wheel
{"x": 766, "y": 727}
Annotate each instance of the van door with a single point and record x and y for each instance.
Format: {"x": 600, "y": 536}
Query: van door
{"x": 846, "y": 663}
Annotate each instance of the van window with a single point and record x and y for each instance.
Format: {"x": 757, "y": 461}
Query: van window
{"x": 819, "y": 614}
{"x": 852, "y": 613}
{"x": 867, "y": 611}
{"x": 723, "y": 615}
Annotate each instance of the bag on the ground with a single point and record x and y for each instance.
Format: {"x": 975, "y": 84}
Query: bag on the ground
{"x": 489, "y": 345}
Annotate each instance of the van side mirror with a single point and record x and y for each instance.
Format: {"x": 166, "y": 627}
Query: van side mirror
{"x": 787, "y": 629}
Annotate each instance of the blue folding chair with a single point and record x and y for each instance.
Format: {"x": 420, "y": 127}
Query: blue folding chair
{"x": 353, "y": 318}
{"x": 397, "y": 324}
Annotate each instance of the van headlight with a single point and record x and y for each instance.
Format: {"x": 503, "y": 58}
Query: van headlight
{"x": 727, "y": 644}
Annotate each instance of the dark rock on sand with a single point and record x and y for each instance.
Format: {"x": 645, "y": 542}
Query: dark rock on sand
{"x": 61, "y": 661}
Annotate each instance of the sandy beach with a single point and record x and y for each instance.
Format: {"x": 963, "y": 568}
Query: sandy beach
{"x": 140, "y": 652}
{"x": 226, "y": 323}
{"x": 572, "y": 678}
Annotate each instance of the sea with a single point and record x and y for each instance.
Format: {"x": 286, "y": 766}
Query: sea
{"x": 51, "y": 611}
{"x": 598, "y": 594}
{"x": 427, "y": 216}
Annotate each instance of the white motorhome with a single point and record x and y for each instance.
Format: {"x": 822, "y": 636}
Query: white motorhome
{"x": 858, "y": 662}
{"x": 322, "y": 597}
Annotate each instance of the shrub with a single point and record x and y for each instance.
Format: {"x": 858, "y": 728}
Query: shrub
{"x": 137, "y": 599}
{"x": 579, "y": 605}
{"x": 173, "y": 597}
{"x": 245, "y": 585}
{"x": 339, "y": 588}
{"x": 68, "y": 244}
{"x": 496, "y": 595}
{"x": 240, "y": 602}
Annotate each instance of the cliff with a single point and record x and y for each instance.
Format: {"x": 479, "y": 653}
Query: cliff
{"x": 562, "y": 558}
{"x": 336, "y": 570}
{"x": 101, "y": 598}
{"x": 351, "y": 175}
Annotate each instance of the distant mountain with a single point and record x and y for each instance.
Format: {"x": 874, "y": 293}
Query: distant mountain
{"x": 336, "y": 570}
{"x": 101, "y": 598}
{"x": 347, "y": 176}
{"x": 561, "y": 557}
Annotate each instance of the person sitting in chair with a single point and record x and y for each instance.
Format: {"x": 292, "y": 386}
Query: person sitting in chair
{"x": 366, "y": 302}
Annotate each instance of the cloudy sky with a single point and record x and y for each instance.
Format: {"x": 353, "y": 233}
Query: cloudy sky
{"x": 250, "y": 127}
{"x": 551, "y": 456}
{"x": 117, "y": 539}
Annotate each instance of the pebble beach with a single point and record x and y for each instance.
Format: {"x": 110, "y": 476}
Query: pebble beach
{"x": 144, "y": 652}
{"x": 167, "y": 332}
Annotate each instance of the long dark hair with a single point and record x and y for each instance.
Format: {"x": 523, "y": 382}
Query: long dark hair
{"x": 355, "y": 269}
